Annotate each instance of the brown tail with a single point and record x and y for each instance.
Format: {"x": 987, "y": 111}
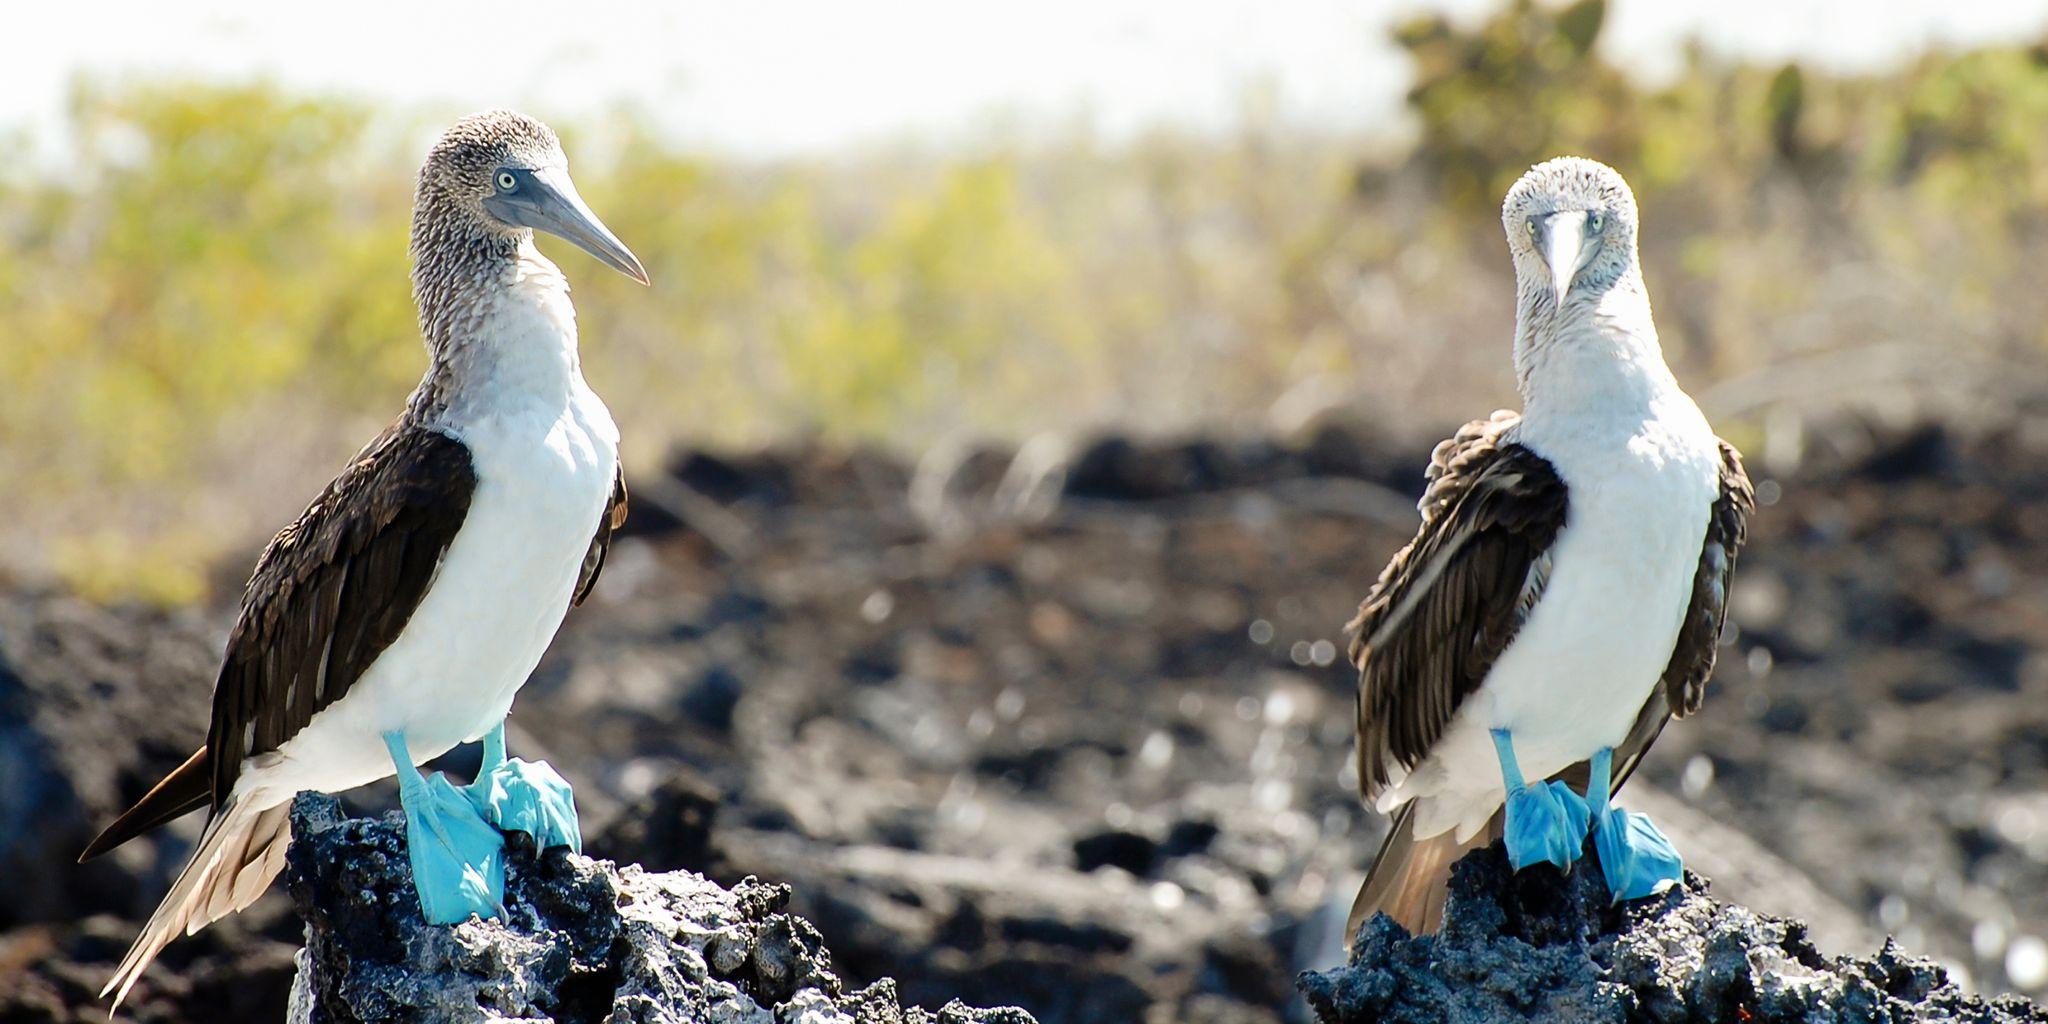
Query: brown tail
{"x": 240, "y": 852}
{"x": 187, "y": 788}
{"x": 1409, "y": 877}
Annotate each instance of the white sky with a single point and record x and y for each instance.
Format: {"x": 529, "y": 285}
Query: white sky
{"x": 769, "y": 77}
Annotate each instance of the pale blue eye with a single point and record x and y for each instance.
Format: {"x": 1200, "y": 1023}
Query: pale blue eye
{"x": 1596, "y": 222}
{"x": 506, "y": 182}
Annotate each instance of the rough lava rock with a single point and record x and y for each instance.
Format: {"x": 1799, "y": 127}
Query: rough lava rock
{"x": 1546, "y": 946}
{"x": 582, "y": 940}
{"x": 72, "y": 675}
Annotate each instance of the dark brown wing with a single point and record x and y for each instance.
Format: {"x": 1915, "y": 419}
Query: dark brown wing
{"x": 334, "y": 589}
{"x": 1449, "y": 602}
{"x": 613, "y": 518}
{"x": 1692, "y": 660}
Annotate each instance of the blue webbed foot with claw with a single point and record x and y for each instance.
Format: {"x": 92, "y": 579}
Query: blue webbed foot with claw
{"x": 458, "y": 859}
{"x": 524, "y": 796}
{"x": 1546, "y": 822}
{"x": 1635, "y": 858}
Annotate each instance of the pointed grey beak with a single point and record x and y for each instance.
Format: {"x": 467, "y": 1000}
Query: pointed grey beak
{"x": 1561, "y": 238}
{"x": 546, "y": 200}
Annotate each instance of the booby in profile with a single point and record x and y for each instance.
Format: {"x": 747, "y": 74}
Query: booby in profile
{"x": 398, "y": 615}
{"x": 1564, "y": 595}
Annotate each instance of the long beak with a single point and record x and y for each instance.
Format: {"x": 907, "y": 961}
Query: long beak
{"x": 549, "y": 203}
{"x": 1563, "y": 241}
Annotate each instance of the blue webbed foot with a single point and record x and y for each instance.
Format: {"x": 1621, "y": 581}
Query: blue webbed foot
{"x": 1635, "y": 858}
{"x": 524, "y": 796}
{"x": 458, "y": 859}
{"x": 1546, "y": 822}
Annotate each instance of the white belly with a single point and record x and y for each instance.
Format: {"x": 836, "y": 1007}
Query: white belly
{"x": 501, "y": 592}
{"x": 1596, "y": 644}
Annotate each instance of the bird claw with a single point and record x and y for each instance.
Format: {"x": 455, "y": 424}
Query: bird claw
{"x": 531, "y": 797}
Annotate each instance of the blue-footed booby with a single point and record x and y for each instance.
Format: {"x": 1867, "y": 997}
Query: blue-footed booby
{"x": 1564, "y": 595}
{"x": 400, "y": 613}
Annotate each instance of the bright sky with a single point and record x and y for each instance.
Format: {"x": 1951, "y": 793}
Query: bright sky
{"x": 787, "y": 76}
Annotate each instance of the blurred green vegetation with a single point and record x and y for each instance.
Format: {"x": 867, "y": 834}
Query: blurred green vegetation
{"x": 205, "y": 308}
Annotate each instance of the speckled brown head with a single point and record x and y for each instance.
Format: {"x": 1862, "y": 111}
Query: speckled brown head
{"x": 490, "y": 181}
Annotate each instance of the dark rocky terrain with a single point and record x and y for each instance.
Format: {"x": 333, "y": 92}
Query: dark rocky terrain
{"x": 582, "y": 940}
{"x": 1549, "y": 947}
{"x": 1069, "y": 730}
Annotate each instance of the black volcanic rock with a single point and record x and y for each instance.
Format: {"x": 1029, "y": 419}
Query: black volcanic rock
{"x": 669, "y": 829}
{"x": 96, "y": 705}
{"x": 582, "y": 940}
{"x": 1543, "y": 946}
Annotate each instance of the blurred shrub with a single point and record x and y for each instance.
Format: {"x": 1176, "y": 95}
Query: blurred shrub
{"x": 205, "y": 305}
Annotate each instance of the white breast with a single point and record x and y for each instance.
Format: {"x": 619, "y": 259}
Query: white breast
{"x": 545, "y": 451}
{"x": 1640, "y": 491}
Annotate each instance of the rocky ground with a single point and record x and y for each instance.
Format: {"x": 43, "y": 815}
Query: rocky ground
{"x": 1068, "y": 728}
{"x": 582, "y": 941}
{"x": 1545, "y": 947}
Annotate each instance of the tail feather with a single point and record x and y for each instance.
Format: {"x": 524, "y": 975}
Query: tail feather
{"x": 241, "y": 850}
{"x": 1409, "y": 878}
{"x": 265, "y": 861}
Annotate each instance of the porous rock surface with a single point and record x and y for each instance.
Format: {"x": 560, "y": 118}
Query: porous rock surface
{"x": 1545, "y": 946}
{"x": 582, "y": 940}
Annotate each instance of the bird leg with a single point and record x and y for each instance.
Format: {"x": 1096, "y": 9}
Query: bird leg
{"x": 494, "y": 750}
{"x": 1546, "y": 822}
{"x": 1635, "y": 858}
{"x": 458, "y": 859}
{"x": 524, "y": 796}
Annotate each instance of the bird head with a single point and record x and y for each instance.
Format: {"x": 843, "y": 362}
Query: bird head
{"x": 504, "y": 174}
{"x": 1571, "y": 225}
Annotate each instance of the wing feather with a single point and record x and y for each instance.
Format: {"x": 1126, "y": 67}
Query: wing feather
{"x": 613, "y": 518}
{"x": 334, "y": 589}
{"x": 1449, "y": 603}
{"x": 1692, "y": 659}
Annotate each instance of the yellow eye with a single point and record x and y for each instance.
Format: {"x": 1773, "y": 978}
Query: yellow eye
{"x": 506, "y": 182}
{"x": 1531, "y": 225}
{"x": 1596, "y": 222}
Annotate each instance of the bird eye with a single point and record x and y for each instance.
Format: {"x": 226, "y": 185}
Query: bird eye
{"x": 506, "y": 182}
{"x": 1596, "y": 222}
{"x": 1532, "y": 227}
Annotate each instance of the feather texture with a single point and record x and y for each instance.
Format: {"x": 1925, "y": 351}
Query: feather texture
{"x": 600, "y": 545}
{"x": 334, "y": 589}
{"x": 1692, "y": 660}
{"x": 1450, "y": 602}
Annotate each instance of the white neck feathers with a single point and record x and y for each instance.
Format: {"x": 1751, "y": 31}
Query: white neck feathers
{"x": 1597, "y": 356}
{"x": 509, "y": 342}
